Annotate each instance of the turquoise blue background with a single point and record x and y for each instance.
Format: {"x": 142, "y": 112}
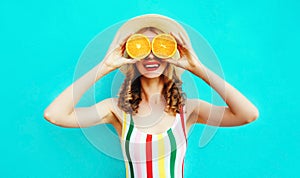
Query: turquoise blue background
{"x": 256, "y": 42}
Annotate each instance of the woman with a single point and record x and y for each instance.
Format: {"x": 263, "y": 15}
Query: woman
{"x": 151, "y": 114}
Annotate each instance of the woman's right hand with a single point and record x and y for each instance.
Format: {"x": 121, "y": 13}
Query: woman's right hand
{"x": 115, "y": 59}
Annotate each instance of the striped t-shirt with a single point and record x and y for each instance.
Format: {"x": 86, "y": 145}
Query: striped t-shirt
{"x": 154, "y": 155}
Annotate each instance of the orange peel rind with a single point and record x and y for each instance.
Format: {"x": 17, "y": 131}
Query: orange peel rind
{"x": 138, "y": 46}
{"x": 164, "y": 46}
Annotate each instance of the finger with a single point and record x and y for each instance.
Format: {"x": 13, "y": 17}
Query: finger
{"x": 125, "y": 40}
{"x": 185, "y": 41}
{"x": 135, "y": 60}
{"x": 176, "y": 38}
{"x": 112, "y": 51}
{"x": 127, "y": 37}
{"x": 182, "y": 39}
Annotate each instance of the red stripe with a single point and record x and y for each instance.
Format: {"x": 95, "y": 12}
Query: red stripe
{"x": 149, "y": 156}
{"x": 183, "y": 127}
{"x": 182, "y": 120}
{"x": 182, "y": 168}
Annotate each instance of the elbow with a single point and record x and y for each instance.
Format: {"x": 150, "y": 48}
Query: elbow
{"x": 50, "y": 118}
{"x": 252, "y": 117}
{"x": 57, "y": 120}
{"x": 47, "y": 117}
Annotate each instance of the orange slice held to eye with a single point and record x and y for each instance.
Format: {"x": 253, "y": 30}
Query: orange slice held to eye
{"x": 164, "y": 46}
{"x": 138, "y": 46}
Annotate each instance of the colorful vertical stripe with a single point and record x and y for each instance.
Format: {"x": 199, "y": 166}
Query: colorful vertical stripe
{"x": 154, "y": 155}
{"x": 149, "y": 156}
{"x": 183, "y": 130}
{"x": 182, "y": 120}
{"x": 161, "y": 161}
{"x": 127, "y": 148}
{"x": 173, "y": 153}
{"x": 137, "y": 154}
{"x": 124, "y": 126}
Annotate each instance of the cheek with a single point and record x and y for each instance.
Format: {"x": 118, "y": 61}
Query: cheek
{"x": 139, "y": 66}
{"x": 164, "y": 65}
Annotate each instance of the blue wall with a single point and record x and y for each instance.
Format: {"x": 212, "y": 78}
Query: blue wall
{"x": 257, "y": 46}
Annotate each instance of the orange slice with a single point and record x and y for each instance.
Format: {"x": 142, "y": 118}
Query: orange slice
{"x": 138, "y": 46}
{"x": 176, "y": 56}
{"x": 164, "y": 46}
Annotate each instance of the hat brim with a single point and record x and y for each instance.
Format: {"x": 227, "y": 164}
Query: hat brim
{"x": 161, "y": 22}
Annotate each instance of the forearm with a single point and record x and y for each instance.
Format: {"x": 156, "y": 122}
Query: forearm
{"x": 64, "y": 104}
{"x": 239, "y": 105}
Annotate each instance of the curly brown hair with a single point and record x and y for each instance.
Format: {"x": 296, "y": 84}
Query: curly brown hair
{"x": 130, "y": 91}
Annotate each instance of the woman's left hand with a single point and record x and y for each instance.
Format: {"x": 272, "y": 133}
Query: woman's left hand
{"x": 188, "y": 59}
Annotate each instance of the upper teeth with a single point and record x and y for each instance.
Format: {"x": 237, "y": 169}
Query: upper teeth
{"x": 151, "y": 65}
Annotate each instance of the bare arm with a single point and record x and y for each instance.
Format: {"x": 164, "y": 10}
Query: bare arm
{"x": 62, "y": 111}
{"x": 239, "y": 110}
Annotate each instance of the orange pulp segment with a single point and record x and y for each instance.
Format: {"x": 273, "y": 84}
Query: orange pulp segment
{"x": 138, "y": 46}
{"x": 164, "y": 46}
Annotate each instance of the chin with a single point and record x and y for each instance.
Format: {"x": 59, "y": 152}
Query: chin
{"x": 151, "y": 74}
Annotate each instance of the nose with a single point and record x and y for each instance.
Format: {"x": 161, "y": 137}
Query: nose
{"x": 150, "y": 56}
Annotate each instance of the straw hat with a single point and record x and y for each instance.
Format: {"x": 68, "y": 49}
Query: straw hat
{"x": 161, "y": 22}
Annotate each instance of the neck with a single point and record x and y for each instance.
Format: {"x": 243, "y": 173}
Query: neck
{"x": 151, "y": 88}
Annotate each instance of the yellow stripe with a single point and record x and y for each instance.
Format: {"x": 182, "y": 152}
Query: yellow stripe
{"x": 161, "y": 156}
{"x": 124, "y": 125}
{"x": 123, "y": 133}
{"x": 127, "y": 171}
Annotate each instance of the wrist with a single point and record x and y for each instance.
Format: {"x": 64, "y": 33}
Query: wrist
{"x": 198, "y": 69}
{"x": 104, "y": 68}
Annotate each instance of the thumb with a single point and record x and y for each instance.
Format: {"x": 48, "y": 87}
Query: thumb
{"x": 131, "y": 61}
{"x": 171, "y": 61}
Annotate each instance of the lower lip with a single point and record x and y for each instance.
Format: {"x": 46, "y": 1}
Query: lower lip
{"x": 151, "y": 69}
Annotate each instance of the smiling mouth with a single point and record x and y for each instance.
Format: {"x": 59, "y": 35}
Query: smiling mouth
{"x": 151, "y": 67}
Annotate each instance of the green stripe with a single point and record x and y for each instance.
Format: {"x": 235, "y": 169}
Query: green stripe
{"x": 173, "y": 153}
{"x": 127, "y": 146}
